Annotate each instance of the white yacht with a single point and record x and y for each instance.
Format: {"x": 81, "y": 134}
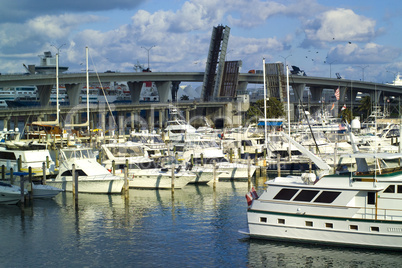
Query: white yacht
{"x": 360, "y": 205}
{"x": 153, "y": 143}
{"x": 178, "y": 129}
{"x": 92, "y": 177}
{"x": 143, "y": 172}
{"x": 203, "y": 153}
{"x": 31, "y": 154}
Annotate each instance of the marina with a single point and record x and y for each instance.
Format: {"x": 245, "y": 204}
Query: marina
{"x": 121, "y": 178}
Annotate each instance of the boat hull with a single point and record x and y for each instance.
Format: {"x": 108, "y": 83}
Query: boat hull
{"x": 293, "y": 228}
{"x": 235, "y": 171}
{"x": 95, "y": 186}
{"x": 159, "y": 181}
{"x": 10, "y": 195}
{"x": 45, "y": 191}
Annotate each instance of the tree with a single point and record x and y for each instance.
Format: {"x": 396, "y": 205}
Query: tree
{"x": 365, "y": 106}
{"x": 184, "y": 97}
{"x": 346, "y": 114}
{"x": 275, "y": 108}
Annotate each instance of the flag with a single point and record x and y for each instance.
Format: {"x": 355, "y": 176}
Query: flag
{"x": 337, "y": 93}
{"x": 254, "y": 193}
{"x": 343, "y": 107}
{"x": 333, "y": 106}
{"x": 249, "y": 199}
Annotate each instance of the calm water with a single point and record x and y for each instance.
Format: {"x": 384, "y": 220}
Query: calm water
{"x": 196, "y": 227}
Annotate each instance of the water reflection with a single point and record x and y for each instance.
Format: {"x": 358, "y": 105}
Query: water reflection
{"x": 264, "y": 253}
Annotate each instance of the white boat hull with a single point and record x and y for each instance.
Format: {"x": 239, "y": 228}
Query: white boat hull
{"x": 389, "y": 236}
{"x": 159, "y": 181}
{"x": 45, "y": 191}
{"x": 102, "y": 185}
{"x": 235, "y": 171}
{"x": 10, "y": 195}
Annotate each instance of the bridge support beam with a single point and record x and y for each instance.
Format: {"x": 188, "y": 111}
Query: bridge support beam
{"x": 44, "y": 92}
{"x": 298, "y": 91}
{"x": 316, "y": 94}
{"x": 161, "y": 118}
{"x": 375, "y": 97}
{"x": 73, "y": 93}
{"x": 164, "y": 90}
{"x": 342, "y": 94}
{"x": 175, "y": 88}
{"x": 135, "y": 91}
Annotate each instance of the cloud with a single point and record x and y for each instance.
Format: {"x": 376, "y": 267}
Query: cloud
{"x": 24, "y": 10}
{"x": 39, "y": 32}
{"x": 253, "y": 13}
{"x": 369, "y": 53}
{"x": 339, "y": 25}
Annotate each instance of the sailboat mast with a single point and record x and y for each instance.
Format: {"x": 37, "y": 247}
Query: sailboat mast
{"x": 265, "y": 106}
{"x": 87, "y": 75}
{"x": 57, "y": 90}
{"x": 288, "y": 96}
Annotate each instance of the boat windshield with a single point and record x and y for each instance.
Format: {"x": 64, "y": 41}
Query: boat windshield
{"x": 201, "y": 144}
{"x": 126, "y": 151}
{"x": 80, "y": 154}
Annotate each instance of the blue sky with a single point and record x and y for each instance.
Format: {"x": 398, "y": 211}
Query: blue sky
{"x": 351, "y": 35}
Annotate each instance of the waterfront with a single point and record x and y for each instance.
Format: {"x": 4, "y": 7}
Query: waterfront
{"x": 196, "y": 227}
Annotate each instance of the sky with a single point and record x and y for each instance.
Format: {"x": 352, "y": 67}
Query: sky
{"x": 360, "y": 40}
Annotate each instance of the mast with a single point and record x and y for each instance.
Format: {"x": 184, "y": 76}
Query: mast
{"x": 265, "y": 106}
{"x": 87, "y": 75}
{"x": 288, "y": 96}
{"x": 57, "y": 90}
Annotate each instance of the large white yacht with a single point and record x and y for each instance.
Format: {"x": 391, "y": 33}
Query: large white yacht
{"x": 360, "y": 205}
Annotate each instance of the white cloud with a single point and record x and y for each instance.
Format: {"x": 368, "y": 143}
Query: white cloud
{"x": 339, "y": 25}
{"x": 369, "y": 53}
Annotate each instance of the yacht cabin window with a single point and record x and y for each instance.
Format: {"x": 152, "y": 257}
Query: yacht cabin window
{"x": 327, "y": 197}
{"x": 285, "y": 194}
{"x": 390, "y": 189}
{"x": 399, "y": 188}
{"x": 371, "y": 198}
{"x": 306, "y": 195}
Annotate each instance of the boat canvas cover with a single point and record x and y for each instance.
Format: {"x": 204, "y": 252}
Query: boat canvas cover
{"x": 36, "y": 156}
{"x": 271, "y": 123}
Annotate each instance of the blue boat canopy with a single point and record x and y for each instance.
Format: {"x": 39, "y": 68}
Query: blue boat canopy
{"x": 271, "y": 123}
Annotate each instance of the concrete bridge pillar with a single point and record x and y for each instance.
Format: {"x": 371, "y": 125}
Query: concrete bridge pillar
{"x": 135, "y": 91}
{"x": 187, "y": 115}
{"x": 316, "y": 94}
{"x": 342, "y": 94}
{"x": 112, "y": 125}
{"x": 164, "y": 90}
{"x": 175, "y": 88}
{"x": 102, "y": 120}
{"x": 73, "y": 93}
{"x": 151, "y": 119}
{"x": 44, "y": 92}
{"x": 298, "y": 92}
{"x": 375, "y": 97}
{"x": 161, "y": 118}
{"x": 6, "y": 122}
{"x": 132, "y": 120}
{"x": 121, "y": 124}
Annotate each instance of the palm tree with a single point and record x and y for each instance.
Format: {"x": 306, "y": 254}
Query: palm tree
{"x": 365, "y": 106}
{"x": 275, "y": 108}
